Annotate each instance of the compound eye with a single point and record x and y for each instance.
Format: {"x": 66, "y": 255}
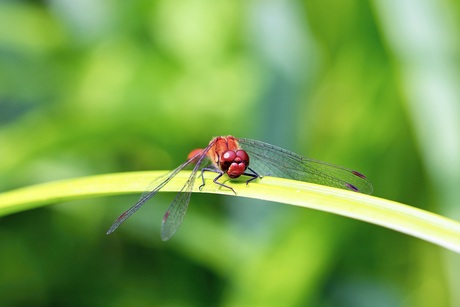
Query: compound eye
{"x": 239, "y": 164}
{"x": 227, "y": 159}
{"x": 243, "y": 156}
{"x": 229, "y": 156}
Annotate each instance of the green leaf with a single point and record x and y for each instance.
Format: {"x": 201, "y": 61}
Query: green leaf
{"x": 406, "y": 219}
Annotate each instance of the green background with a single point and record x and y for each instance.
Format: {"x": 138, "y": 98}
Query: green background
{"x": 93, "y": 87}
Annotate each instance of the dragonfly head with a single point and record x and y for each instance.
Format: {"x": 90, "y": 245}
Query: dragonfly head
{"x": 234, "y": 162}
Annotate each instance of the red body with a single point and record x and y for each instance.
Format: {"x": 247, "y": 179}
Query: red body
{"x": 225, "y": 153}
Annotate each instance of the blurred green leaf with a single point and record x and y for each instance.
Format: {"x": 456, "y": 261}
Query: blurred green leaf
{"x": 393, "y": 215}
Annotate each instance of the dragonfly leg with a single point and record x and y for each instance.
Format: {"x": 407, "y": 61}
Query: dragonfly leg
{"x": 221, "y": 184}
{"x": 214, "y": 170}
{"x": 220, "y": 174}
{"x": 207, "y": 169}
{"x": 254, "y": 175}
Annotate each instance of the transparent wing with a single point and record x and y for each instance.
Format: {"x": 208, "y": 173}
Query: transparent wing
{"x": 267, "y": 159}
{"x": 147, "y": 195}
{"x": 175, "y": 214}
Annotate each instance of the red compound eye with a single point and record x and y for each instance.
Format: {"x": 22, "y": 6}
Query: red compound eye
{"x": 228, "y": 156}
{"x": 234, "y": 163}
{"x": 243, "y": 156}
{"x": 227, "y": 159}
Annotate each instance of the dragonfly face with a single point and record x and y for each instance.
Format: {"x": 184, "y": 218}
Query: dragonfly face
{"x": 234, "y": 163}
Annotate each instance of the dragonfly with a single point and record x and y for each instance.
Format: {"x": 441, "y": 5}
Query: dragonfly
{"x": 231, "y": 156}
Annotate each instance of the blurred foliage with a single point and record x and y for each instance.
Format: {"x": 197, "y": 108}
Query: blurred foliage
{"x": 90, "y": 87}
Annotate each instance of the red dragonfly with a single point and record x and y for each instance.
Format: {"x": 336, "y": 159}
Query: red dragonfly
{"x": 232, "y": 156}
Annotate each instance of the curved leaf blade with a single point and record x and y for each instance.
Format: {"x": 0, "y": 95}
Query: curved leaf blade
{"x": 406, "y": 219}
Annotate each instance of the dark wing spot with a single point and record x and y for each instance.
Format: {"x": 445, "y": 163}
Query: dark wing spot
{"x": 358, "y": 174}
{"x": 166, "y": 216}
{"x": 351, "y": 187}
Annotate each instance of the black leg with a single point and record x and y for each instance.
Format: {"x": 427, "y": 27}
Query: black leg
{"x": 220, "y": 174}
{"x": 253, "y": 175}
{"x": 208, "y": 169}
{"x": 221, "y": 184}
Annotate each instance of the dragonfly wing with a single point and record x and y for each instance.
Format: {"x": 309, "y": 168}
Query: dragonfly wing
{"x": 153, "y": 189}
{"x": 175, "y": 214}
{"x": 267, "y": 159}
